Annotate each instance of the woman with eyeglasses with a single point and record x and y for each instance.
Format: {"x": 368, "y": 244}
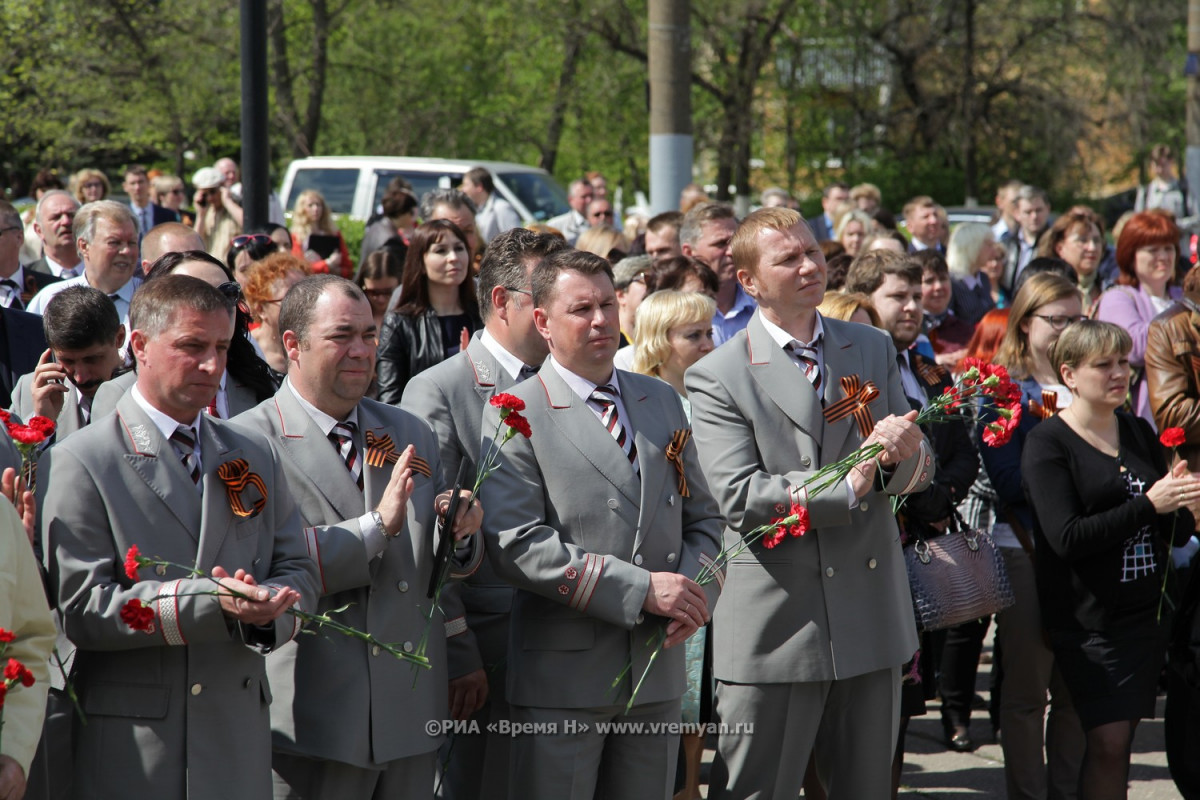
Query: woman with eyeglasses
{"x": 379, "y": 277}
{"x": 1077, "y": 237}
{"x": 437, "y": 311}
{"x": 266, "y": 285}
{"x": 1146, "y": 287}
{"x": 245, "y": 250}
{"x": 316, "y": 237}
{"x": 167, "y": 191}
{"x": 89, "y": 185}
{"x": 1106, "y": 509}
{"x": 1042, "y": 309}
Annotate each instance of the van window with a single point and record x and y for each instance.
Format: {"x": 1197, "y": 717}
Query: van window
{"x": 335, "y": 185}
{"x": 541, "y": 195}
{"x": 422, "y": 182}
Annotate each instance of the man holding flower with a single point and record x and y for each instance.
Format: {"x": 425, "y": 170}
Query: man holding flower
{"x": 176, "y": 706}
{"x": 349, "y": 721}
{"x": 810, "y": 634}
{"x": 602, "y": 526}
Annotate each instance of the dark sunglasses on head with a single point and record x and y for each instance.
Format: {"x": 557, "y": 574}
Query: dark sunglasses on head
{"x": 246, "y": 239}
{"x": 231, "y": 290}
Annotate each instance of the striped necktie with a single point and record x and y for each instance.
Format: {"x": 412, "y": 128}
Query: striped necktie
{"x": 342, "y": 437}
{"x": 184, "y": 441}
{"x": 605, "y": 399}
{"x": 806, "y": 358}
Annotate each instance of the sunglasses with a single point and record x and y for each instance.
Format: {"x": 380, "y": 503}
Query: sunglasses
{"x": 382, "y": 294}
{"x": 247, "y": 239}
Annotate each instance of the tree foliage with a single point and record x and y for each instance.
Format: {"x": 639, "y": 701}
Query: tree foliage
{"x": 947, "y": 97}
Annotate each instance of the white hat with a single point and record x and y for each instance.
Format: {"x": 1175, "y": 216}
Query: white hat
{"x": 207, "y": 178}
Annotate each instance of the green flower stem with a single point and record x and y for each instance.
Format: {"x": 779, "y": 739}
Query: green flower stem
{"x": 319, "y": 620}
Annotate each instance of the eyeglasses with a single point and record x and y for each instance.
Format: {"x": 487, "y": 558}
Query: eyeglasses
{"x": 1060, "y": 322}
{"x": 93, "y": 185}
{"x": 519, "y": 291}
{"x": 607, "y": 214}
{"x": 247, "y": 239}
{"x": 382, "y": 294}
{"x": 639, "y": 278}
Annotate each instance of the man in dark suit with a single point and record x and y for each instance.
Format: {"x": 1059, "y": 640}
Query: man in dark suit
{"x": 893, "y": 282}
{"x": 451, "y": 397}
{"x": 17, "y": 284}
{"x": 148, "y": 214}
{"x": 22, "y": 342}
{"x": 53, "y": 222}
{"x": 924, "y": 225}
{"x": 833, "y": 197}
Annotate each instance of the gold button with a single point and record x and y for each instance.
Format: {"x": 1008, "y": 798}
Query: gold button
{"x": 375, "y": 650}
{"x": 197, "y": 689}
{"x": 872, "y": 564}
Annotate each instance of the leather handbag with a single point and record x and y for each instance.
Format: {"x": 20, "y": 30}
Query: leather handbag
{"x": 956, "y": 578}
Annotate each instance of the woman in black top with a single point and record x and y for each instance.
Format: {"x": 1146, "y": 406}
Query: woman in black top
{"x": 437, "y": 307}
{"x": 1105, "y": 508}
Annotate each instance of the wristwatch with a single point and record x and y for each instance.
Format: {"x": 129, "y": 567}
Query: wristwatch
{"x": 375, "y": 515}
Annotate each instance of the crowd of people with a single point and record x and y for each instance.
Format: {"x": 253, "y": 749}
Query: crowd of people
{"x": 278, "y": 425}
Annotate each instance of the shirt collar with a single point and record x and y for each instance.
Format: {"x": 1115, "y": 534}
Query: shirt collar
{"x": 510, "y": 363}
{"x": 581, "y": 385}
{"x": 741, "y": 302}
{"x": 56, "y": 269}
{"x": 970, "y": 281}
{"x": 783, "y": 338}
{"x": 166, "y": 424}
{"x": 124, "y": 293}
{"x": 323, "y": 420}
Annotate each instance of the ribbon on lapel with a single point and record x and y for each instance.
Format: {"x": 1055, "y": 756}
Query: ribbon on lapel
{"x": 382, "y": 451}
{"x": 932, "y": 374}
{"x": 1047, "y": 408}
{"x": 236, "y": 476}
{"x": 679, "y": 440}
{"x": 854, "y": 404}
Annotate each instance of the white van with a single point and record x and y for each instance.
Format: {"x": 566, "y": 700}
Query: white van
{"x": 353, "y": 185}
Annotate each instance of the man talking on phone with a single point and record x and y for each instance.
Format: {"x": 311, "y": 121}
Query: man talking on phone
{"x": 85, "y": 337}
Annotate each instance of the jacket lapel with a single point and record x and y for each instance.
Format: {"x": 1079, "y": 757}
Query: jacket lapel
{"x": 154, "y": 459}
{"x": 217, "y": 514}
{"x": 579, "y": 426}
{"x": 842, "y": 359}
{"x": 302, "y": 442}
{"x": 782, "y": 381}
{"x": 375, "y": 479}
{"x": 645, "y": 416}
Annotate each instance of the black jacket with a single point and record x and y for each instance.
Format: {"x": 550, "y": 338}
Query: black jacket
{"x": 409, "y": 345}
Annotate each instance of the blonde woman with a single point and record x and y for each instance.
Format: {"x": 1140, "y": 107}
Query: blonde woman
{"x": 89, "y": 185}
{"x": 976, "y": 265}
{"x": 316, "y": 238}
{"x": 852, "y": 228}
{"x": 850, "y": 307}
{"x": 674, "y": 331}
{"x": 605, "y": 241}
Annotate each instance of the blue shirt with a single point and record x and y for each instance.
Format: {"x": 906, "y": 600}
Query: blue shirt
{"x": 726, "y": 324}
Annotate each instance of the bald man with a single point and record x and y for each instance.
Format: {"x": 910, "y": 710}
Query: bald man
{"x": 169, "y": 237}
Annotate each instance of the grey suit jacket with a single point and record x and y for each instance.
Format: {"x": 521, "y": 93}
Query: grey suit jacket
{"x": 335, "y": 698}
{"x": 571, "y": 526}
{"x": 834, "y": 603}
{"x": 241, "y": 398}
{"x": 70, "y": 419}
{"x": 182, "y": 710}
{"x": 451, "y": 397}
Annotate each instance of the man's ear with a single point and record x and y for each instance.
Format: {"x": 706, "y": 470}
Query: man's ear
{"x": 746, "y": 278}
{"x": 540, "y": 322}
{"x": 119, "y": 342}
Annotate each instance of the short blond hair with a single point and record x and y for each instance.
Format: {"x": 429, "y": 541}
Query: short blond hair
{"x": 1088, "y": 338}
{"x": 656, "y": 316}
{"x": 744, "y": 245}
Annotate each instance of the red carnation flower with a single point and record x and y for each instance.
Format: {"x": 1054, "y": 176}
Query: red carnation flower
{"x": 1173, "y": 437}
{"x": 138, "y": 615}
{"x": 996, "y": 435}
{"x": 6, "y": 636}
{"x": 23, "y": 434}
{"x": 131, "y": 563}
{"x": 518, "y": 423}
{"x": 771, "y": 540}
{"x": 800, "y": 526}
{"x": 15, "y": 671}
{"x": 43, "y": 425}
{"x": 5, "y": 416}
{"x": 507, "y": 401}
{"x": 3, "y": 691}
